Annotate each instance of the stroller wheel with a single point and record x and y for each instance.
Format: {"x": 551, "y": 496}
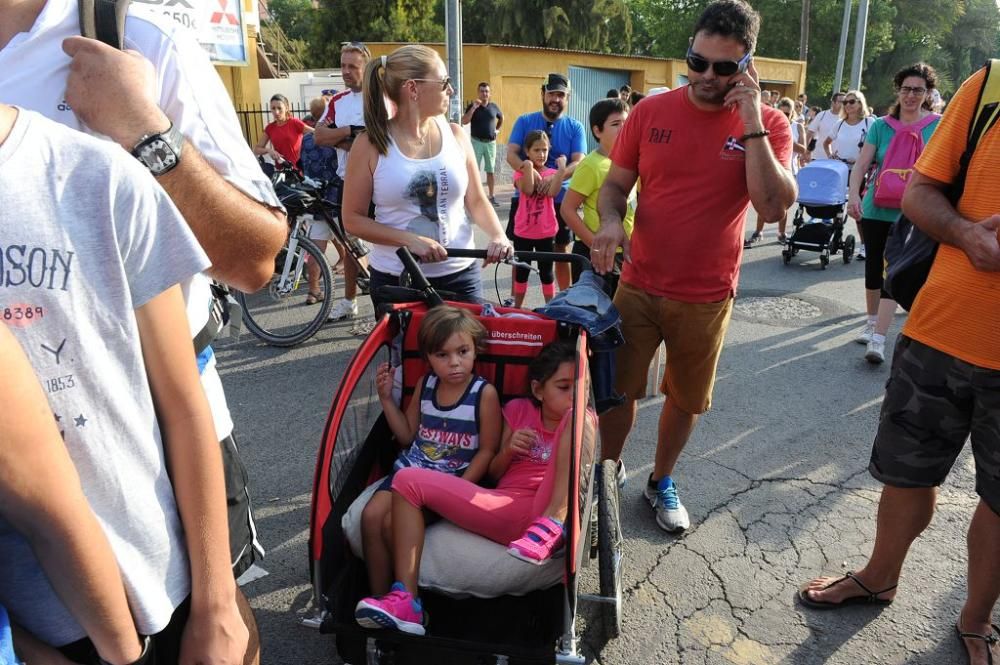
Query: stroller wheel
{"x": 848, "y": 249}
{"x": 824, "y": 261}
{"x": 786, "y": 256}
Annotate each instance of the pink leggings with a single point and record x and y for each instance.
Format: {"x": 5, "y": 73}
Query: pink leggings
{"x": 501, "y": 515}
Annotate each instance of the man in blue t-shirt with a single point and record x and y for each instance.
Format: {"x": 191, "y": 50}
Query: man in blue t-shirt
{"x": 567, "y": 138}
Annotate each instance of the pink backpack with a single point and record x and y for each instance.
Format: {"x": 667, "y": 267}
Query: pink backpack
{"x": 904, "y": 148}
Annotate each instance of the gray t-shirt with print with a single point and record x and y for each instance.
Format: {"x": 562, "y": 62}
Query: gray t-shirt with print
{"x": 86, "y": 237}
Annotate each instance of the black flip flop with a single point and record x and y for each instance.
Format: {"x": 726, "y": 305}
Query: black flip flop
{"x": 871, "y": 599}
{"x": 990, "y": 640}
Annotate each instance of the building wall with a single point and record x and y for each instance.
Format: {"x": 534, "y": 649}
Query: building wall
{"x": 516, "y": 73}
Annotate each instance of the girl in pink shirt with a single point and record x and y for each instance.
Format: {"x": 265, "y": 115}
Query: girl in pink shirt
{"x": 535, "y": 222}
{"x": 525, "y": 511}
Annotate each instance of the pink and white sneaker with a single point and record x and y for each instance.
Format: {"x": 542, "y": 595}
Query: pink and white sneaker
{"x": 397, "y": 610}
{"x": 542, "y": 540}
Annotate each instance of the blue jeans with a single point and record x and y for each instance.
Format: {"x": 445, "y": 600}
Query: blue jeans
{"x": 466, "y": 285}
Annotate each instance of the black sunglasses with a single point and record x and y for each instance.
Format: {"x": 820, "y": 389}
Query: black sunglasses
{"x": 698, "y": 64}
{"x": 445, "y": 82}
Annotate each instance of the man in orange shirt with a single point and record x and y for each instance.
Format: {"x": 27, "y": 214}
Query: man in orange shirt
{"x": 945, "y": 382}
{"x": 704, "y": 152}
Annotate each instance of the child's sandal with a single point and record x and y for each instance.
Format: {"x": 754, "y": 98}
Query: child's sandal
{"x": 542, "y": 540}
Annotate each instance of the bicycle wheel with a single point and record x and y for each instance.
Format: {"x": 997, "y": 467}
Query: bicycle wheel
{"x": 278, "y": 313}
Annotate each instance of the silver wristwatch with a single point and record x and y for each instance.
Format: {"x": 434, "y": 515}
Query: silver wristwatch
{"x": 160, "y": 152}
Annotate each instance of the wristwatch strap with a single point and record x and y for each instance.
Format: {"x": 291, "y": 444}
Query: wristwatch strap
{"x": 145, "y": 658}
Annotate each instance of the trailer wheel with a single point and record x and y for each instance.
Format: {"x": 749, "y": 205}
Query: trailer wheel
{"x": 610, "y": 545}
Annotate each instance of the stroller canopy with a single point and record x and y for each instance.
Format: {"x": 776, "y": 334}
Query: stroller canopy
{"x": 823, "y": 183}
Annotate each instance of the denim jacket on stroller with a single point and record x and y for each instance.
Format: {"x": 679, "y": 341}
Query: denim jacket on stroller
{"x": 586, "y": 304}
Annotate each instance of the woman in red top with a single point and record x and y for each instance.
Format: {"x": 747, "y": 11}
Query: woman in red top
{"x": 284, "y": 134}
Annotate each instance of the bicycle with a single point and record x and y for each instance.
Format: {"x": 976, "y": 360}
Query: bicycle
{"x": 278, "y": 313}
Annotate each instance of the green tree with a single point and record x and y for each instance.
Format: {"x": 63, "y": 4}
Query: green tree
{"x": 378, "y": 21}
{"x": 592, "y": 25}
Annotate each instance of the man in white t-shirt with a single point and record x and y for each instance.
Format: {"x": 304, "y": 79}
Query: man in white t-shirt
{"x": 821, "y": 127}
{"x": 167, "y": 97}
{"x": 345, "y": 117}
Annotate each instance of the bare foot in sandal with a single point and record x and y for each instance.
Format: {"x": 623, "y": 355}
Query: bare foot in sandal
{"x": 980, "y": 641}
{"x": 850, "y": 589}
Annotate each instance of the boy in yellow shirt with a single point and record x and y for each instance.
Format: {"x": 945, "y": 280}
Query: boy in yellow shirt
{"x": 606, "y": 119}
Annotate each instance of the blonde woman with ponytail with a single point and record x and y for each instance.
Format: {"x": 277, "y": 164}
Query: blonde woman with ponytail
{"x": 419, "y": 171}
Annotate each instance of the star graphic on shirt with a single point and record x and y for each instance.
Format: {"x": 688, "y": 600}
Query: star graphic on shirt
{"x": 80, "y": 420}
{"x": 58, "y": 417}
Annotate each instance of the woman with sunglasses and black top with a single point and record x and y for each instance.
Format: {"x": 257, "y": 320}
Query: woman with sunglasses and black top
{"x": 420, "y": 172}
{"x": 913, "y": 86}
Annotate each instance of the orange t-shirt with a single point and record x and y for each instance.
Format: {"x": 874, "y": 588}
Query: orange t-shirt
{"x": 958, "y": 309}
{"x": 688, "y": 234}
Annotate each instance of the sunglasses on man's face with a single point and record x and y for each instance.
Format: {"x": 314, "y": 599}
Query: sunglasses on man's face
{"x": 698, "y": 64}
{"x": 445, "y": 82}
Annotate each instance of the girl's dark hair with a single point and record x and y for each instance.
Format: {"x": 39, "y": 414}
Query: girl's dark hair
{"x": 924, "y": 71}
{"x": 635, "y": 97}
{"x": 441, "y": 322}
{"x": 281, "y": 98}
{"x": 533, "y": 137}
{"x": 602, "y": 110}
{"x": 548, "y": 360}
{"x": 730, "y": 18}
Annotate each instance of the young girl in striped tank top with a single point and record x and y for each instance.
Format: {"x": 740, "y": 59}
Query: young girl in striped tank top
{"x": 452, "y": 424}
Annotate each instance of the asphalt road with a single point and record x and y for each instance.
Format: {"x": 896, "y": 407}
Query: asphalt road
{"x": 774, "y": 478}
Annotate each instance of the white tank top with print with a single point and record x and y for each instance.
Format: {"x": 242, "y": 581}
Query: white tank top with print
{"x": 426, "y": 197}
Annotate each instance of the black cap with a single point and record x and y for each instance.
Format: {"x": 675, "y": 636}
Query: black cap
{"x": 556, "y": 82}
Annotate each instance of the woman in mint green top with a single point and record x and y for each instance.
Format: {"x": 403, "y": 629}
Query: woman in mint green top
{"x": 914, "y": 85}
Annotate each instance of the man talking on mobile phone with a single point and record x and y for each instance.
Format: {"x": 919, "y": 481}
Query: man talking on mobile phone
{"x": 704, "y": 152}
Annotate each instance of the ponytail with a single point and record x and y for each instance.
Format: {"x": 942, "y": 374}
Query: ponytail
{"x": 383, "y": 79}
{"x": 376, "y": 114}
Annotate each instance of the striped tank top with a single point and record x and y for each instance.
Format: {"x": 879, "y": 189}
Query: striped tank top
{"x": 447, "y": 437}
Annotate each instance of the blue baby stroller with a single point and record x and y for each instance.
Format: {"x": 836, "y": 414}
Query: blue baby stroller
{"x": 819, "y": 219}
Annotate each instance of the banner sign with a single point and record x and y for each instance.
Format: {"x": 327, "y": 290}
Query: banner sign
{"x": 218, "y": 25}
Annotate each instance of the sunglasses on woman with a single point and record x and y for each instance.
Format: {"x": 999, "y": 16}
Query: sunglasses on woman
{"x": 445, "y": 82}
{"x": 698, "y": 64}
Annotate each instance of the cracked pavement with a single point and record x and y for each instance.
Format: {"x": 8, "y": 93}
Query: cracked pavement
{"x": 774, "y": 477}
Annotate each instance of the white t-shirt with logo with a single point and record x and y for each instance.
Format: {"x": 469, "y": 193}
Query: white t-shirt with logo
{"x": 33, "y": 72}
{"x": 87, "y": 237}
{"x": 822, "y": 127}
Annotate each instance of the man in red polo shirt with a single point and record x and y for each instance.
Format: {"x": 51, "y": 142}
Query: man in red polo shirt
{"x": 703, "y": 152}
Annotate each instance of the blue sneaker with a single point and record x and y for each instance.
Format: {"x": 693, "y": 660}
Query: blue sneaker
{"x": 671, "y": 514}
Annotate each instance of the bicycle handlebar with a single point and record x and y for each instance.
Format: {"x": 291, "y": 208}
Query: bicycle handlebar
{"x": 431, "y": 296}
{"x": 558, "y": 257}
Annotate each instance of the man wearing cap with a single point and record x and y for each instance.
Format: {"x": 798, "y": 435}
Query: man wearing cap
{"x": 486, "y": 119}
{"x": 704, "y": 152}
{"x": 344, "y": 115}
{"x": 567, "y": 139}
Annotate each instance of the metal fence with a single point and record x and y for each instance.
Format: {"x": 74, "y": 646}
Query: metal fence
{"x": 254, "y": 118}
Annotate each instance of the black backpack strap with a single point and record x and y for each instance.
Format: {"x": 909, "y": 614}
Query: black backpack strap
{"x": 983, "y": 118}
{"x": 104, "y": 20}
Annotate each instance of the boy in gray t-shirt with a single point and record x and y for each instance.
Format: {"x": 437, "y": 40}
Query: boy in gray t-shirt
{"x": 93, "y": 259}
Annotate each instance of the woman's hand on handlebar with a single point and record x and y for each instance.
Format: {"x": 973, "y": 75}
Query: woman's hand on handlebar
{"x": 498, "y": 249}
{"x": 427, "y": 250}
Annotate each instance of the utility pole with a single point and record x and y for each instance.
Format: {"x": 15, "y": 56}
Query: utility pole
{"x": 845, "y": 28}
{"x": 453, "y": 45}
{"x": 859, "y": 44}
{"x": 804, "y": 32}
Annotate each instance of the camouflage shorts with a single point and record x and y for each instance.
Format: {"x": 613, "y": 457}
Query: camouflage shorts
{"x": 933, "y": 403}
